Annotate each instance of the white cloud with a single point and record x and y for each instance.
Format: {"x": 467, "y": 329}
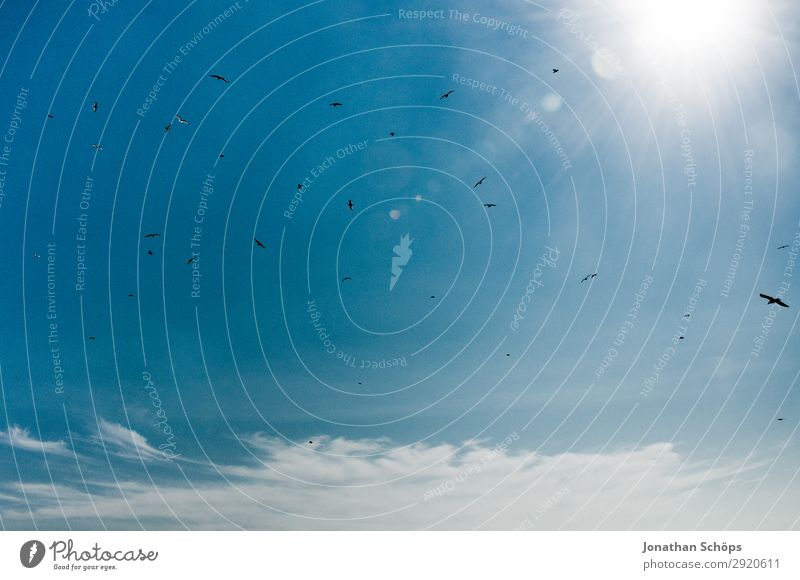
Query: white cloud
{"x": 371, "y": 484}
{"x": 126, "y": 442}
{"x": 20, "y": 438}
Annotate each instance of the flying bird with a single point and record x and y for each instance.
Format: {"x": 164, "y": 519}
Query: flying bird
{"x": 446, "y": 95}
{"x": 222, "y": 156}
{"x": 489, "y": 205}
{"x": 130, "y": 295}
{"x": 92, "y": 338}
{"x": 346, "y": 278}
{"x": 299, "y": 186}
{"x": 588, "y": 276}
{"x": 219, "y": 78}
{"x": 149, "y": 252}
{"x": 35, "y": 254}
{"x": 555, "y": 70}
{"x": 259, "y": 244}
{"x": 350, "y": 204}
{"x": 152, "y": 236}
{"x": 97, "y": 147}
{"x": 50, "y": 116}
{"x": 181, "y": 120}
{"x": 336, "y": 104}
{"x": 686, "y": 315}
{"x": 433, "y": 296}
{"x": 190, "y": 260}
{"x": 783, "y": 246}
{"x": 94, "y": 107}
{"x": 391, "y": 134}
{"x": 772, "y": 300}
{"x": 780, "y": 418}
{"x": 167, "y": 128}
{"x": 681, "y": 337}
{"x": 479, "y": 182}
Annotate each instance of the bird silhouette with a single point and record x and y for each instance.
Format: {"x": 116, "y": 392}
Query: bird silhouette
{"x": 35, "y": 254}
{"x": 299, "y": 186}
{"x": 772, "y": 300}
{"x": 92, "y": 338}
{"x": 780, "y": 418}
{"x": 555, "y": 70}
{"x": 149, "y": 252}
{"x": 190, "y": 260}
{"x": 94, "y": 107}
{"x": 219, "y": 78}
{"x": 181, "y": 120}
{"x": 152, "y": 236}
{"x": 479, "y": 182}
{"x": 167, "y": 128}
{"x": 681, "y": 337}
{"x": 391, "y": 134}
{"x": 336, "y": 104}
{"x": 50, "y": 116}
{"x": 97, "y": 147}
{"x": 130, "y": 295}
{"x": 783, "y": 246}
{"x": 446, "y": 95}
{"x": 222, "y": 156}
{"x": 350, "y": 204}
{"x": 433, "y": 296}
{"x": 489, "y": 205}
{"x": 259, "y": 244}
{"x": 346, "y": 278}
{"x": 686, "y": 315}
{"x": 587, "y": 277}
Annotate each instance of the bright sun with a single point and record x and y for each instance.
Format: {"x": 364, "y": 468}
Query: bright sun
{"x": 689, "y": 27}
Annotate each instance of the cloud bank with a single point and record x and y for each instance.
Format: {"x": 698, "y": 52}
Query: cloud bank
{"x": 342, "y": 484}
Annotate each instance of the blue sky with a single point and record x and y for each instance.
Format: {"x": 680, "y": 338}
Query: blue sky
{"x": 489, "y": 387}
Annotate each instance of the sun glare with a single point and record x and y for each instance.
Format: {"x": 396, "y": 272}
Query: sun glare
{"x": 681, "y": 27}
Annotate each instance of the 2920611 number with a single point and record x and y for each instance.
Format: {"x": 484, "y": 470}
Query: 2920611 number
{"x": 755, "y": 563}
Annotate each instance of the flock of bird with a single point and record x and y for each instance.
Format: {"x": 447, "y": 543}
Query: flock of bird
{"x": 182, "y": 121}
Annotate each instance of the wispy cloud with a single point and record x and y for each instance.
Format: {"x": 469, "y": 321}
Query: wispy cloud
{"x": 20, "y": 438}
{"x": 125, "y": 442}
{"x": 371, "y": 484}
